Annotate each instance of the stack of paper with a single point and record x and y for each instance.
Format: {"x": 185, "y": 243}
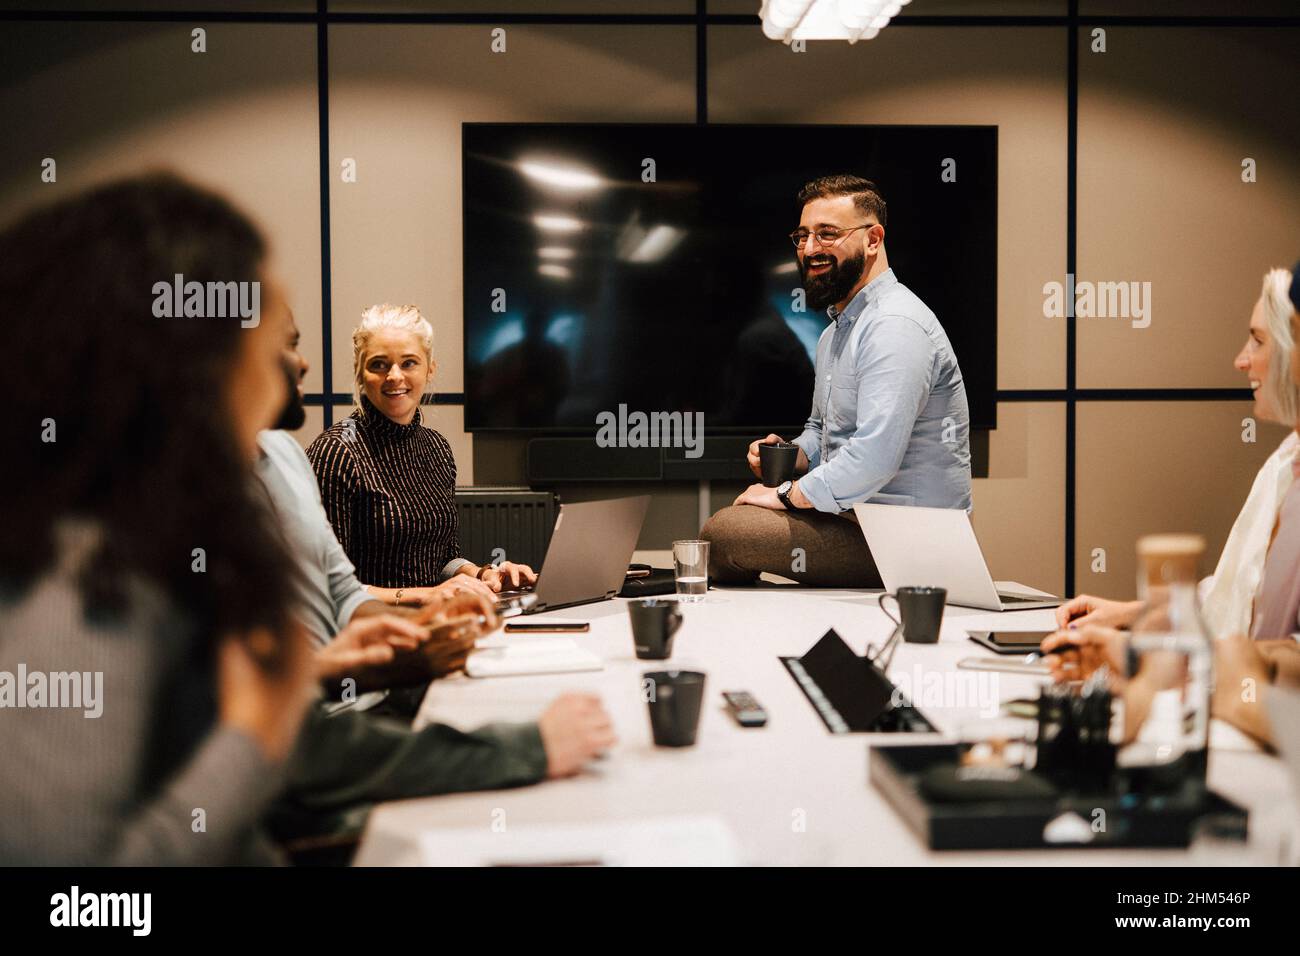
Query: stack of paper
{"x": 540, "y": 656}
{"x": 656, "y": 841}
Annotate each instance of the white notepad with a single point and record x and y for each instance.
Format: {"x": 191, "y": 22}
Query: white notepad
{"x": 654, "y": 841}
{"x": 541, "y": 656}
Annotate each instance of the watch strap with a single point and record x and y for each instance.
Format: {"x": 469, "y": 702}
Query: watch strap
{"x": 785, "y": 496}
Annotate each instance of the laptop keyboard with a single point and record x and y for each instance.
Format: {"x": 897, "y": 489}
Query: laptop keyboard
{"x": 1020, "y": 598}
{"x": 502, "y": 599}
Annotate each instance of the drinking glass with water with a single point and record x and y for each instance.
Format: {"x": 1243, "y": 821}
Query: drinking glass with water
{"x": 691, "y": 565}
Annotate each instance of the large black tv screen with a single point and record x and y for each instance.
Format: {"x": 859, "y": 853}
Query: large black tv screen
{"x": 649, "y": 266}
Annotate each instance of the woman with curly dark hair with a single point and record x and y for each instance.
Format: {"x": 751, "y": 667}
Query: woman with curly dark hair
{"x": 156, "y": 681}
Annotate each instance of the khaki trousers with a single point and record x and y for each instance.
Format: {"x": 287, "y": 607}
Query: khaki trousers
{"x": 809, "y": 546}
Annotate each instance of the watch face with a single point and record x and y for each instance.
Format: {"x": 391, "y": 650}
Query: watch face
{"x": 784, "y": 488}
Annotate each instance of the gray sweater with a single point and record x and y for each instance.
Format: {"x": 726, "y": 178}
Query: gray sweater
{"x": 126, "y": 787}
{"x": 154, "y": 779}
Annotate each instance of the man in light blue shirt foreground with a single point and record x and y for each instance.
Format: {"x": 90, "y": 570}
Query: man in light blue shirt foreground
{"x": 889, "y": 421}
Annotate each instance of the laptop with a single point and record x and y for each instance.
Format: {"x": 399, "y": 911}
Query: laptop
{"x": 936, "y": 547}
{"x": 587, "y": 558}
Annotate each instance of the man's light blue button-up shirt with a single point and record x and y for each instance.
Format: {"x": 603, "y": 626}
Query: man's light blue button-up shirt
{"x": 889, "y": 418}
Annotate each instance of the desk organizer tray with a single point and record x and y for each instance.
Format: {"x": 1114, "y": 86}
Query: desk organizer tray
{"x": 1130, "y": 820}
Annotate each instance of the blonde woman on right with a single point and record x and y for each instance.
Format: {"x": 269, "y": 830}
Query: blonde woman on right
{"x": 1228, "y": 596}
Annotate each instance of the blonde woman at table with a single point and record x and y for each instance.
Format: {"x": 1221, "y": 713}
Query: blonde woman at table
{"x": 388, "y": 483}
{"x": 1228, "y": 596}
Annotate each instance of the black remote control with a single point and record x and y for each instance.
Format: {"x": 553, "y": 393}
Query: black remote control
{"x": 745, "y": 708}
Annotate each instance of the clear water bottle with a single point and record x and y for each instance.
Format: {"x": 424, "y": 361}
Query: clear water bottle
{"x": 1169, "y": 683}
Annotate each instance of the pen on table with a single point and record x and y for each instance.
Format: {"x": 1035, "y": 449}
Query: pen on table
{"x": 465, "y": 620}
{"x": 1058, "y": 649}
{"x": 1034, "y": 657}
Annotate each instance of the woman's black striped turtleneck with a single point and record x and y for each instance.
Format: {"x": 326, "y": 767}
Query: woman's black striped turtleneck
{"x": 390, "y": 493}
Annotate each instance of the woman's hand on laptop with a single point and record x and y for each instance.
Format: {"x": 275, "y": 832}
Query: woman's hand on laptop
{"x": 507, "y": 575}
{"x": 456, "y": 585}
{"x": 463, "y": 605}
{"x": 1086, "y": 609}
{"x": 453, "y": 601}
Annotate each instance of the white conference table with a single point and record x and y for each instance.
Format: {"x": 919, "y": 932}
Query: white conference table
{"x": 792, "y": 793}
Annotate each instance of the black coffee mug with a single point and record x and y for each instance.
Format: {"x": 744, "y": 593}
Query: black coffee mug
{"x": 675, "y": 699}
{"x": 777, "y": 462}
{"x": 654, "y": 622}
{"x": 920, "y": 612}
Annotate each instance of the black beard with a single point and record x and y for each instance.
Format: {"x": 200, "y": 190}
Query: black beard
{"x": 294, "y": 414}
{"x": 825, "y": 290}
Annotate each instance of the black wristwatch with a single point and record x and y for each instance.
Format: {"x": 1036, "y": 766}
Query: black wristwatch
{"x": 783, "y": 492}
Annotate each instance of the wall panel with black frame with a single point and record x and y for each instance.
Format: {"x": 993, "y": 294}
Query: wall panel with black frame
{"x": 1105, "y": 430}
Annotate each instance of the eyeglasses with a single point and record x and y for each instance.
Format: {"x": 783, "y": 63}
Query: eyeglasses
{"x": 826, "y": 236}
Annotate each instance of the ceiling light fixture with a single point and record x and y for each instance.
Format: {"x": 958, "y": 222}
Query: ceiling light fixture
{"x": 852, "y": 20}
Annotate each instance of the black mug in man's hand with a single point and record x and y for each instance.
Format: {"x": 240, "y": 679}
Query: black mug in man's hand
{"x": 777, "y": 462}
